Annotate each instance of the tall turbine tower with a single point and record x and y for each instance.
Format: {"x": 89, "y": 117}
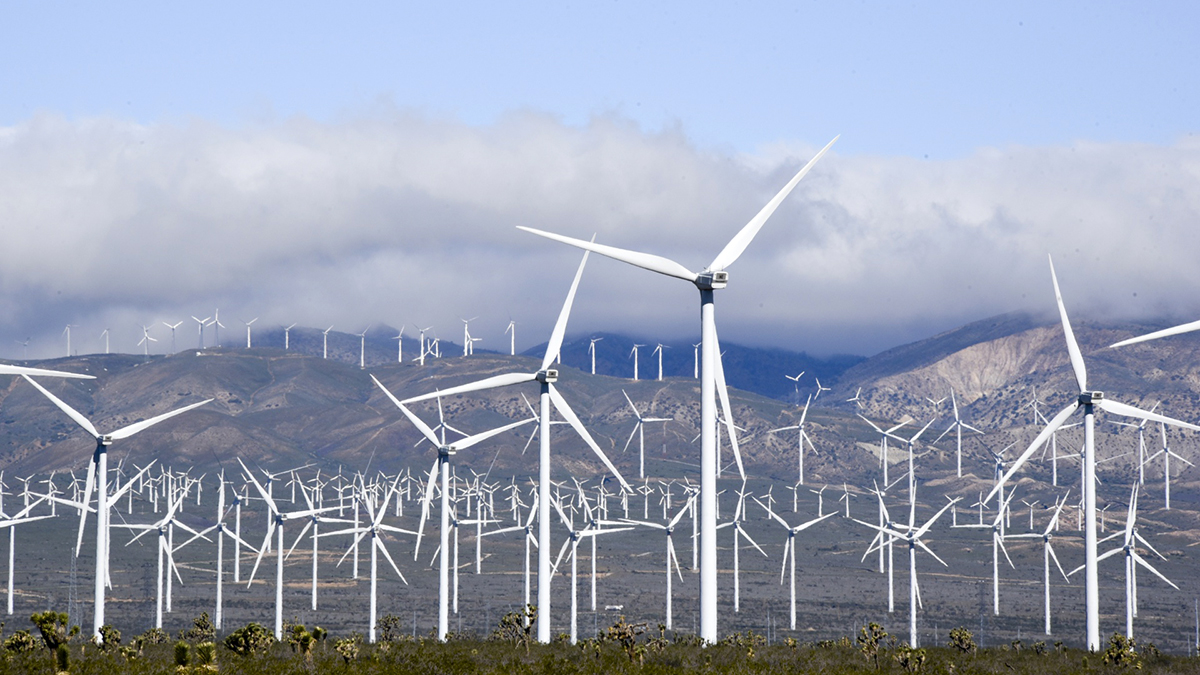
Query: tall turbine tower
{"x": 711, "y": 278}
{"x": 1088, "y": 400}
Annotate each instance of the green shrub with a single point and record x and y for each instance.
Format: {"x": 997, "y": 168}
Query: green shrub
{"x": 348, "y": 647}
{"x": 249, "y": 639}
{"x": 183, "y": 654}
{"x": 154, "y": 636}
{"x": 53, "y": 627}
{"x": 206, "y": 655}
{"x": 62, "y": 657}
{"x": 1122, "y": 652}
{"x": 389, "y": 628}
{"x": 22, "y": 641}
{"x": 516, "y": 627}
{"x": 202, "y": 630}
{"x": 962, "y": 640}
{"x": 869, "y": 637}
{"x": 110, "y": 638}
{"x": 911, "y": 660}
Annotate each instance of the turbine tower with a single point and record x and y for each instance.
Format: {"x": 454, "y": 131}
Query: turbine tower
{"x": 1089, "y": 400}
{"x": 248, "y": 330}
{"x": 286, "y": 337}
{"x": 710, "y": 279}
{"x": 168, "y": 325}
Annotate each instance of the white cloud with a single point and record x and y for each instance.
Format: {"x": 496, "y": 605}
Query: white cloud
{"x": 402, "y": 218}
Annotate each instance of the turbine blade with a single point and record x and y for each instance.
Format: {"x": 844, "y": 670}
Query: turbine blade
{"x": 647, "y": 261}
{"x": 1138, "y": 559}
{"x": 564, "y": 409}
{"x": 1042, "y": 437}
{"x": 1185, "y": 328}
{"x": 6, "y": 369}
{"x": 71, "y": 412}
{"x": 383, "y": 549}
{"x": 126, "y": 432}
{"x": 1072, "y": 345}
{"x": 723, "y": 395}
{"x": 560, "y": 327}
{"x": 479, "y": 438}
{"x": 742, "y": 239}
{"x": 1109, "y": 405}
{"x": 486, "y": 383}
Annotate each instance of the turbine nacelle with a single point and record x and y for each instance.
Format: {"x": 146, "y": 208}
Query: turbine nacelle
{"x": 708, "y": 281}
{"x": 1090, "y": 397}
{"x": 547, "y": 376}
{"x": 447, "y": 451}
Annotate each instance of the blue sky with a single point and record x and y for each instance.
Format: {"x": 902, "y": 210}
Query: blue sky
{"x": 936, "y": 79}
{"x": 294, "y": 161}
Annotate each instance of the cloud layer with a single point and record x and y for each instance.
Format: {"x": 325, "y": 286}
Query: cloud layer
{"x": 401, "y": 218}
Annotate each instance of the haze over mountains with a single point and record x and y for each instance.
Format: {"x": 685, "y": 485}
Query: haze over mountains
{"x": 283, "y": 409}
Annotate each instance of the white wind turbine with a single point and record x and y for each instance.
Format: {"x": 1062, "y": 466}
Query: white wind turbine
{"x": 912, "y": 535}
{"x": 168, "y": 325}
{"x": 421, "y": 351}
{"x": 400, "y": 345}
{"x": 200, "y": 324}
{"x": 640, "y": 430}
{"x": 67, "y": 332}
{"x": 592, "y": 352}
{"x": 104, "y": 335}
{"x": 820, "y": 388}
{"x": 669, "y": 529}
{"x": 802, "y": 438}
{"x": 789, "y": 549}
{"x": 275, "y": 521}
{"x": 314, "y": 522}
{"x": 374, "y": 527}
{"x": 591, "y": 529}
{"x": 146, "y": 340}
{"x": 957, "y": 426}
{"x": 223, "y": 531}
{"x": 546, "y": 377}
{"x": 712, "y": 278}
{"x": 659, "y": 350}
{"x": 530, "y": 539}
{"x": 162, "y": 527}
{"x": 217, "y": 326}
{"x": 248, "y": 330}
{"x": 1088, "y": 400}
{"x": 325, "y": 342}
{"x": 362, "y": 348}
{"x": 1048, "y": 552}
{"x": 634, "y": 353}
{"x": 998, "y": 536}
{"x": 855, "y": 399}
{"x": 512, "y": 339}
{"x": 445, "y": 452}
{"x": 796, "y": 385}
{"x": 287, "y": 335}
{"x": 11, "y": 523}
{"x": 883, "y": 447}
{"x": 738, "y": 533}
{"x": 1167, "y": 453}
{"x": 25, "y": 347}
{"x": 98, "y": 476}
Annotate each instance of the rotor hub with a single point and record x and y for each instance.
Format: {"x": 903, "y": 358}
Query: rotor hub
{"x": 708, "y": 281}
{"x": 1090, "y": 397}
{"x": 547, "y": 376}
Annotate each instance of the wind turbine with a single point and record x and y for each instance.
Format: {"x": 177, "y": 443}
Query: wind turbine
{"x": 325, "y": 342}
{"x": 399, "y": 349}
{"x": 445, "y": 452}
{"x": 855, "y": 399}
{"x": 738, "y": 533}
{"x": 362, "y": 349}
{"x": 11, "y": 523}
{"x": 713, "y": 277}
{"x": 789, "y": 547}
{"x": 1088, "y": 400}
{"x": 1132, "y": 559}
{"x": 592, "y": 352}
{"x": 820, "y": 388}
{"x": 287, "y": 334}
{"x": 634, "y": 354}
{"x": 248, "y": 330}
{"x": 161, "y": 527}
{"x": 640, "y": 430}
{"x": 527, "y": 528}
{"x": 591, "y": 529}
{"x": 25, "y": 347}
{"x": 957, "y": 425}
{"x": 275, "y": 523}
{"x": 913, "y": 535}
{"x": 669, "y": 529}
{"x": 217, "y": 326}
{"x": 67, "y": 332}
{"x": 103, "y": 334}
{"x": 998, "y": 536}
{"x": 421, "y": 351}
{"x": 512, "y": 340}
{"x": 1167, "y": 453}
{"x": 146, "y": 340}
{"x": 374, "y": 527}
{"x": 1048, "y": 551}
{"x": 168, "y": 325}
{"x": 98, "y": 475}
{"x": 796, "y": 384}
{"x": 546, "y": 377}
{"x": 200, "y": 324}
{"x": 659, "y": 350}
{"x": 803, "y": 436}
